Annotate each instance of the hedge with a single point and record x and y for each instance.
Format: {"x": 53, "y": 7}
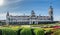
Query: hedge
{"x": 57, "y": 32}
{"x": 48, "y": 32}
{"x": 8, "y": 31}
{"x": 26, "y": 31}
{"x": 39, "y": 32}
{"x": 0, "y": 32}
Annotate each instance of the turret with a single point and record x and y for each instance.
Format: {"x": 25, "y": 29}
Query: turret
{"x": 7, "y": 18}
{"x": 7, "y": 14}
{"x": 51, "y": 13}
{"x": 33, "y": 13}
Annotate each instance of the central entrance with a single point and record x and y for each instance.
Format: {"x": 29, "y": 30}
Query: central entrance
{"x": 33, "y": 22}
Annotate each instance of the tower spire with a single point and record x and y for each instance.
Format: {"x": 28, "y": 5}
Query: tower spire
{"x": 51, "y": 4}
{"x": 51, "y": 11}
{"x": 7, "y": 13}
{"x": 32, "y": 13}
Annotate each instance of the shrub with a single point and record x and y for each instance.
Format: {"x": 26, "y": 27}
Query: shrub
{"x": 26, "y": 31}
{"x": 48, "y": 32}
{"x": 39, "y": 32}
{"x": 8, "y": 31}
{"x": 0, "y": 31}
{"x": 57, "y": 32}
{"x": 18, "y": 32}
{"x": 32, "y": 30}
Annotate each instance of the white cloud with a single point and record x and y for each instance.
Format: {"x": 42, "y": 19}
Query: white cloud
{"x": 12, "y": 1}
{"x": 7, "y": 2}
{"x": 2, "y": 16}
{"x": 39, "y": 0}
{"x": 14, "y": 14}
{"x": 57, "y": 18}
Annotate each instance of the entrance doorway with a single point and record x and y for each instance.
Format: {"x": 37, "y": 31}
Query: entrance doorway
{"x": 33, "y": 22}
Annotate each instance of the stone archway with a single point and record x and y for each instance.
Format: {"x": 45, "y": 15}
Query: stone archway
{"x": 33, "y": 22}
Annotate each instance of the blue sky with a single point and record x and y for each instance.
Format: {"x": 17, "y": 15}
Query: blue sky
{"x": 19, "y": 7}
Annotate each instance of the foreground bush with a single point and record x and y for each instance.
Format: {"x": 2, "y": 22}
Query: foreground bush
{"x": 57, "y": 32}
{"x": 39, "y": 31}
{"x": 26, "y": 31}
{"x": 0, "y": 32}
{"x": 48, "y": 32}
{"x": 8, "y": 31}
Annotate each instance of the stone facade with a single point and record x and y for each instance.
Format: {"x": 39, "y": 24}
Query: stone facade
{"x": 31, "y": 19}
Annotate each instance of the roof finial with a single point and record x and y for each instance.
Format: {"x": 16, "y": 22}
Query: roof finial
{"x": 51, "y": 4}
